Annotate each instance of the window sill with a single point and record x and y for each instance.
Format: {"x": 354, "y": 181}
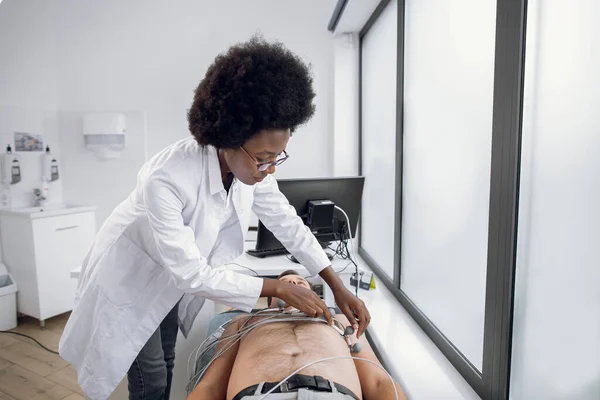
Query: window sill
{"x": 407, "y": 352}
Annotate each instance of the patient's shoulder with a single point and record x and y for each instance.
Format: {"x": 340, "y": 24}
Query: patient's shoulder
{"x": 239, "y": 320}
{"x": 240, "y": 317}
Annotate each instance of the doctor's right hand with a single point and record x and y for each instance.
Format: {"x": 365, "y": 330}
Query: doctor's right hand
{"x": 298, "y": 297}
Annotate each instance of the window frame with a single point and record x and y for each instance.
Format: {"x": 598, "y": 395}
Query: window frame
{"x": 494, "y": 379}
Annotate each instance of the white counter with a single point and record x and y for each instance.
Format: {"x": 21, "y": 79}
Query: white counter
{"x": 52, "y": 210}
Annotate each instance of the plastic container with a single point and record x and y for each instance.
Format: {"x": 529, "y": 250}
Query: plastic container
{"x": 8, "y": 300}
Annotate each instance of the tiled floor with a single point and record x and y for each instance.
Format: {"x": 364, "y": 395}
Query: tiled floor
{"x": 28, "y": 372}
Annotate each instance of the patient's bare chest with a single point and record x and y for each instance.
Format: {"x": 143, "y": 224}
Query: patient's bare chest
{"x": 285, "y": 346}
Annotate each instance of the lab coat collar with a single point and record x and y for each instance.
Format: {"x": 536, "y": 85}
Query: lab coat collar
{"x": 214, "y": 171}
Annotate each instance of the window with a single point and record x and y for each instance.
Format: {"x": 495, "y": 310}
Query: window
{"x": 454, "y": 174}
{"x": 556, "y": 344}
{"x": 378, "y": 161}
{"x": 447, "y": 135}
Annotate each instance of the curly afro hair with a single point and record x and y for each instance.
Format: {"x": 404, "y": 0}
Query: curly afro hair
{"x": 256, "y": 85}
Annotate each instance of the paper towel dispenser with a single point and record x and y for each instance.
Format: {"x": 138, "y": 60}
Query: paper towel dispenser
{"x": 104, "y": 134}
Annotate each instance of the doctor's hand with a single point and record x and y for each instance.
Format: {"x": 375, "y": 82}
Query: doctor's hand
{"x": 304, "y": 300}
{"x": 301, "y": 298}
{"x": 353, "y": 308}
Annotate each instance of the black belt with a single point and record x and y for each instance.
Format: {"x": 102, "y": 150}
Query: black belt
{"x": 295, "y": 382}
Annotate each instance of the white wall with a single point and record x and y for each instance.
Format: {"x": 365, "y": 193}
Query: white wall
{"x": 150, "y": 56}
{"x": 28, "y": 88}
{"x": 28, "y": 102}
{"x": 88, "y": 180}
{"x": 113, "y": 55}
{"x": 28, "y": 52}
{"x": 345, "y": 124}
{"x": 556, "y": 346}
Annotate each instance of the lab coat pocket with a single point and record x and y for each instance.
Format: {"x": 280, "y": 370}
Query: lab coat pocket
{"x": 126, "y": 272}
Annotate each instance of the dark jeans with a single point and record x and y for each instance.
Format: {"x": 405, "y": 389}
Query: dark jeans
{"x": 151, "y": 373}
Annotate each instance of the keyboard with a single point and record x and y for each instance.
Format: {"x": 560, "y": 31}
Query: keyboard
{"x": 278, "y": 251}
{"x": 267, "y": 252}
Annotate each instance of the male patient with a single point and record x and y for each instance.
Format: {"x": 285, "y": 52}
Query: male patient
{"x": 271, "y": 352}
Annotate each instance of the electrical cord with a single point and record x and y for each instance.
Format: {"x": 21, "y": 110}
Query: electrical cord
{"x": 341, "y": 250}
{"x": 329, "y": 359}
{"x": 271, "y": 316}
{"x": 343, "y": 269}
{"x": 243, "y": 266}
{"x": 200, "y": 351}
{"x": 236, "y": 337}
{"x": 344, "y": 241}
{"x": 29, "y": 337}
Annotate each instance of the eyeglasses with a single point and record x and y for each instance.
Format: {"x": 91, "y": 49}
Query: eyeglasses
{"x": 262, "y": 167}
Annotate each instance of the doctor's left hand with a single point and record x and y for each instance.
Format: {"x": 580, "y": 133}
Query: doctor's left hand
{"x": 354, "y": 309}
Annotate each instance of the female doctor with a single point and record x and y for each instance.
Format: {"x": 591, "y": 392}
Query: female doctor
{"x": 154, "y": 260}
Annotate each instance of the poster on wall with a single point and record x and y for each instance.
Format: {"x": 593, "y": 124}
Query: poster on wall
{"x": 28, "y": 142}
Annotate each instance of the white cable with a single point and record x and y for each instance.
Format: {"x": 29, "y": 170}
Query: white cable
{"x": 200, "y": 374}
{"x": 343, "y": 269}
{"x": 236, "y": 337}
{"x": 353, "y": 257}
{"x": 223, "y": 326}
{"x": 349, "y": 232}
{"x": 215, "y": 343}
{"x": 197, "y": 349}
{"x": 243, "y": 266}
{"x": 196, "y": 353}
{"x": 328, "y": 359}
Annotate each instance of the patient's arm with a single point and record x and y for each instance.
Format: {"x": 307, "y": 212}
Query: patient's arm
{"x": 214, "y": 383}
{"x": 374, "y": 383}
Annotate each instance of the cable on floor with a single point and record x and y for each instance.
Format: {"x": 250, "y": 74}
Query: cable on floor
{"x": 29, "y": 337}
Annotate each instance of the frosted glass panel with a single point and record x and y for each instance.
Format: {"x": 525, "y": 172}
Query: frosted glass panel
{"x": 379, "y": 48}
{"x": 556, "y": 332}
{"x": 449, "y": 75}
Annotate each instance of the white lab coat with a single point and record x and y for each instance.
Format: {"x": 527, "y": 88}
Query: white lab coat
{"x": 156, "y": 248}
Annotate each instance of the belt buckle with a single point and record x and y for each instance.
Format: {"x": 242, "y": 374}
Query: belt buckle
{"x": 317, "y": 383}
{"x": 297, "y": 381}
{"x": 284, "y": 387}
{"x": 322, "y": 384}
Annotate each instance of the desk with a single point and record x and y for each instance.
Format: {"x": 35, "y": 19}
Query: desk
{"x": 274, "y": 265}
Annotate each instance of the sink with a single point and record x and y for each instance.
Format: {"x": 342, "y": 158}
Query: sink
{"x": 46, "y": 211}
{"x": 33, "y": 210}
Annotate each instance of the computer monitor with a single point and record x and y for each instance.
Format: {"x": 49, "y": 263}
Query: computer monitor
{"x": 345, "y": 193}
